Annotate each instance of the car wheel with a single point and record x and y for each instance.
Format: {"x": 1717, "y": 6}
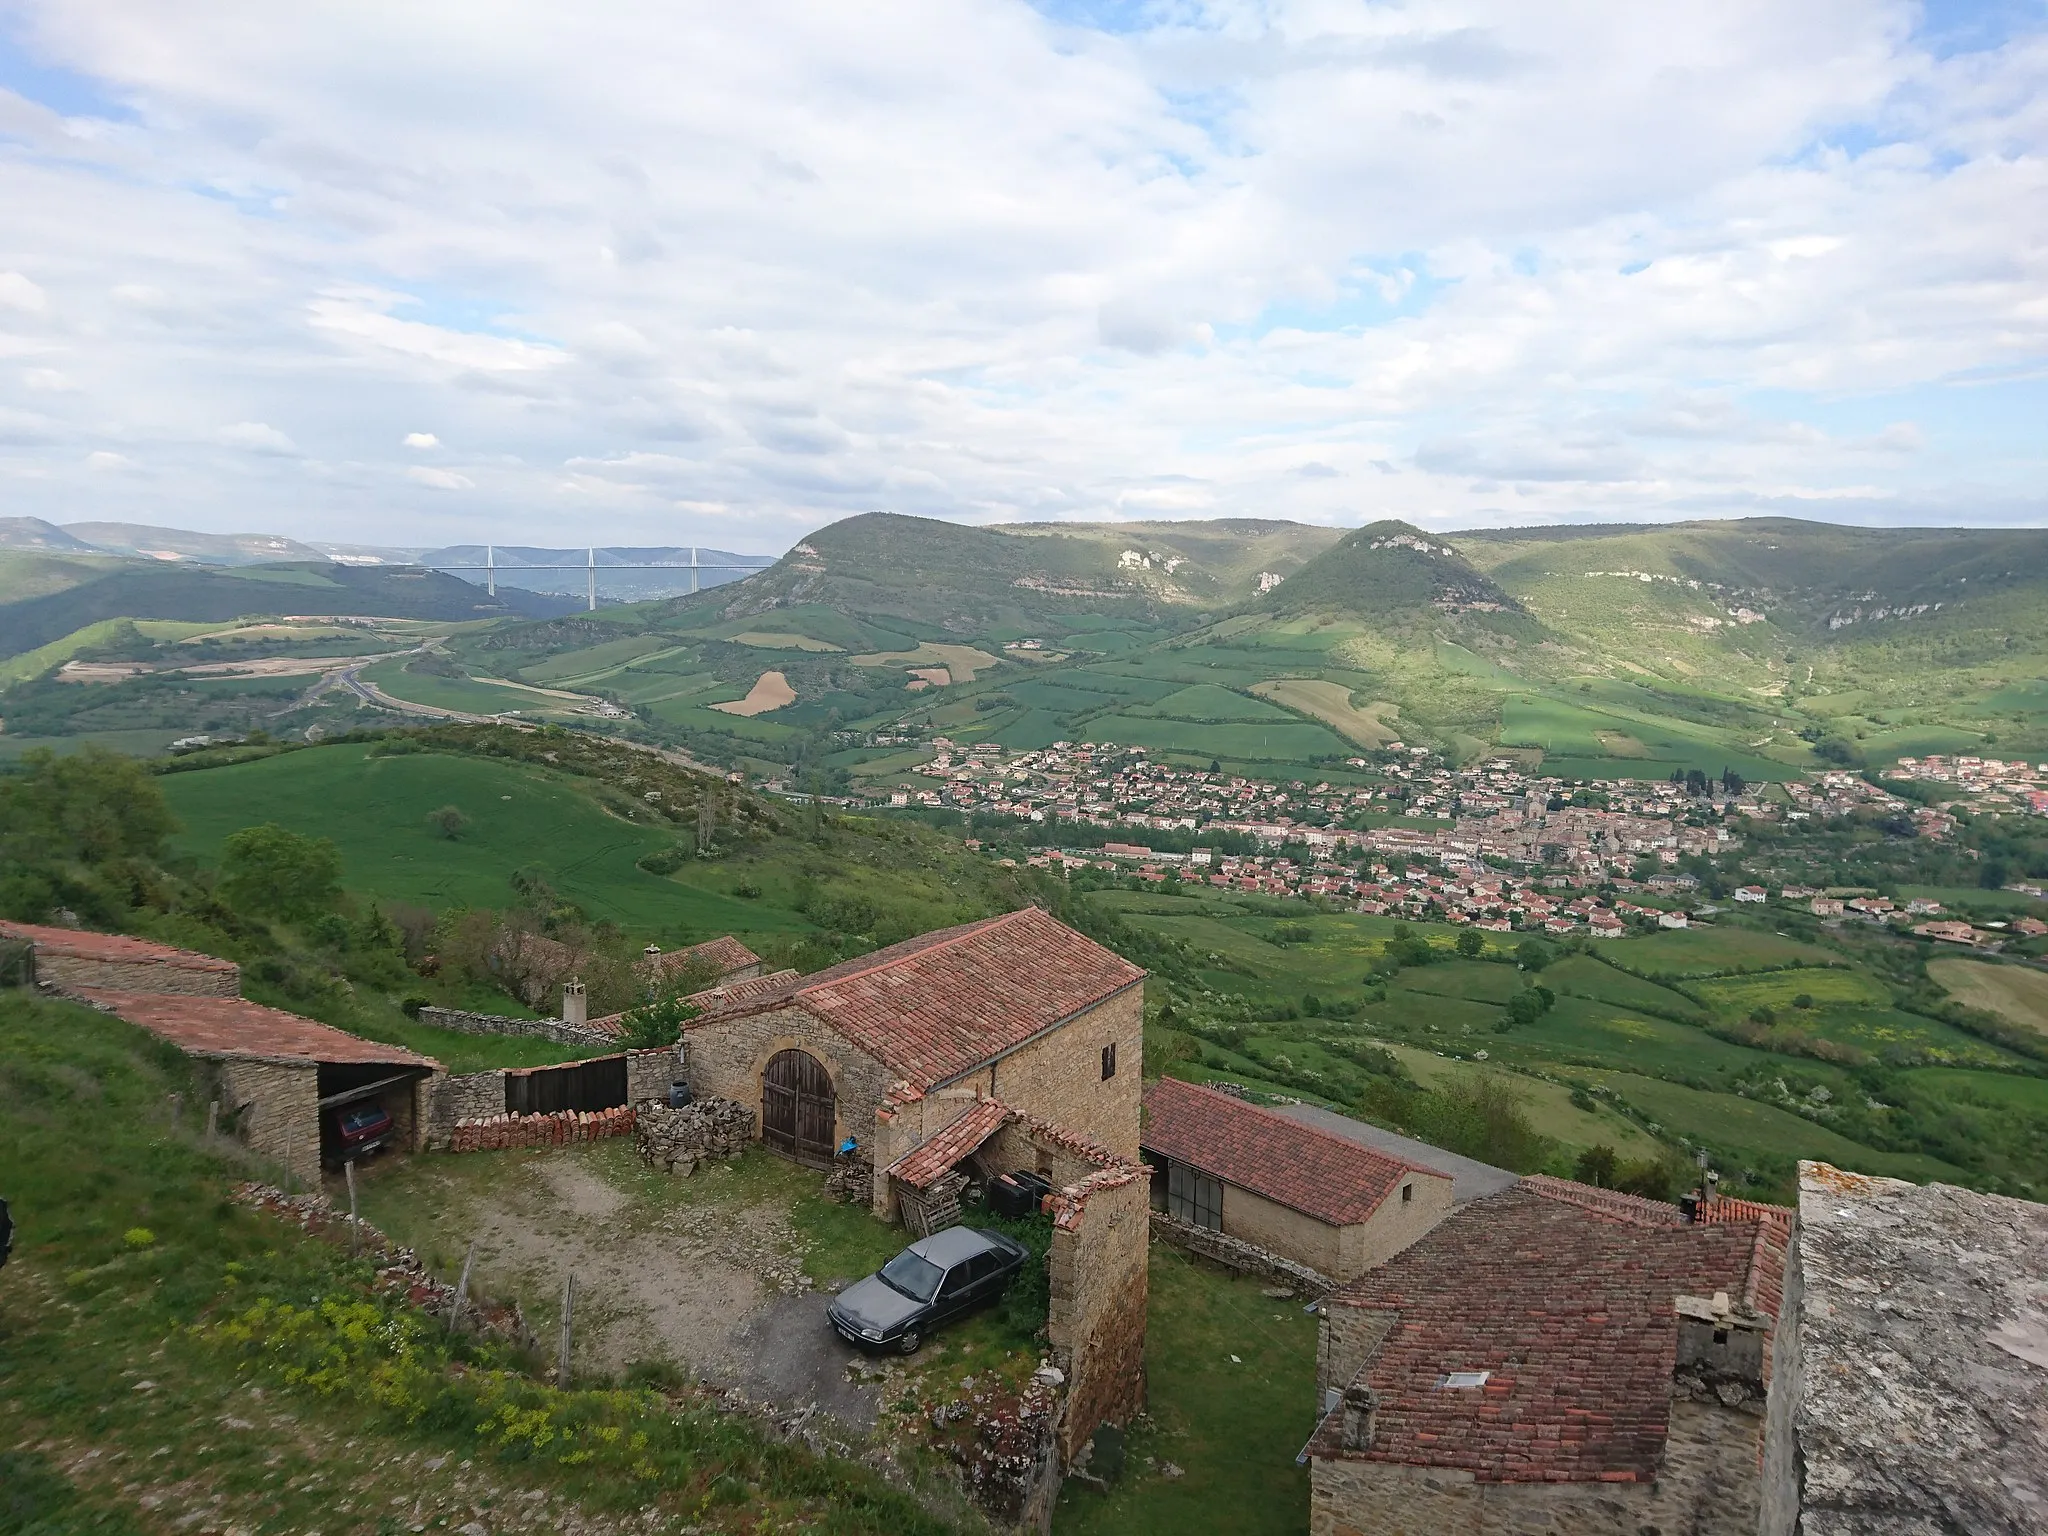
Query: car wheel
{"x": 909, "y": 1342}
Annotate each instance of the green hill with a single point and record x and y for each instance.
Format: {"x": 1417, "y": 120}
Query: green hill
{"x": 1388, "y": 571}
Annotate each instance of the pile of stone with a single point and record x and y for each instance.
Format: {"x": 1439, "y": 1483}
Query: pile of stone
{"x": 851, "y": 1183}
{"x": 677, "y": 1140}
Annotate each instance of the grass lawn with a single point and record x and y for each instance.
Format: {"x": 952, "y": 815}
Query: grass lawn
{"x": 1587, "y": 976}
{"x": 1231, "y": 1379}
{"x": 2003, "y": 1088}
{"x": 375, "y": 809}
{"x": 1737, "y": 995}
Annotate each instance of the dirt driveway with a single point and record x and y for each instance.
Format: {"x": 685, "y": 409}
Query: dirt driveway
{"x": 706, "y": 1273}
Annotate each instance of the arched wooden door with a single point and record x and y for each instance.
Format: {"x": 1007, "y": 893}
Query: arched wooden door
{"x": 797, "y": 1108}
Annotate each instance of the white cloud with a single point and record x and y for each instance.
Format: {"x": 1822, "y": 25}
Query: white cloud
{"x": 18, "y": 293}
{"x": 257, "y": 437}
{"x": 758, "y": 267}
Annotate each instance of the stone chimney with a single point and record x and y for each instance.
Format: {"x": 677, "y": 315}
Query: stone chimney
{"x": 1361, "y": 1408}
{"x": 1720, "y": 1353}
{"x": 651, "y": 953}
{"x": 575, "y": 1007}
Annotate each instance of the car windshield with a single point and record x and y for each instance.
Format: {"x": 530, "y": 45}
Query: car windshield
{"x": 915, "y": 1277}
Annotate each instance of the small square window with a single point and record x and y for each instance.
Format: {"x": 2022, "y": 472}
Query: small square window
{"x": 1456, "y": 1381}
{"x": 1407, "y": 1193}
{"x": 1109, "y": 1061}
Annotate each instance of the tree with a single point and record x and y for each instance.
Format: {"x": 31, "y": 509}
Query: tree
{"x": 1470, "y": 942}
{"x": 448, "y": 821}
{"x": 1596, "y": 1166}
{"x": 1532, "y": 955}
{"x": 91, "y": 806}
{"x": 1733, "y": 782}
{"x": 268, "y": 871}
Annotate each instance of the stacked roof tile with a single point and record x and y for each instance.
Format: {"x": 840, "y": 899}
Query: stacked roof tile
{"x": 1329, "y": 1177}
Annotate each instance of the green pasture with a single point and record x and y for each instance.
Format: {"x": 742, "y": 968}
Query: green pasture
{"x": 1580, "y": 1030}
{"x": 577, "y": 666}
{"x": 1581, "y": 742}
{"x": 1415, "y": 1012}
{"x": 1999, "y": 1089}
{"x": 1734, "y": 1123}
{"x": 1888, "y": 1031}
{"x": 375, "y": 809}
{"x": 462, "y": 694}
{"x": 1475, "y": 980}
{"x": 1587, "y": 976}
{"x": 1738, "y": 995}
{"x": 1549, "y": 1104}
{"x": 1712, "y": 951}
{"x": 137, "y": 743}
{"x": 1207, "y": 703}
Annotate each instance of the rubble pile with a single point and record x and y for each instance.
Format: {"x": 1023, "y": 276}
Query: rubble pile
{"x": 851, "y": 1183}
{"x": 677, "y": 1140}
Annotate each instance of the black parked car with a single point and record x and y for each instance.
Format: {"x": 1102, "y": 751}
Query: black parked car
{"x": 936, "y": 1278}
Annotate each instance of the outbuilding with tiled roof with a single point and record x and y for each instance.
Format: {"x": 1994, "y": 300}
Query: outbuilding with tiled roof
{"x": 884, "y": 1051}
{"x": 71, "y": 958}
{"x": 1552, "y": 1356}
{"x": 282, "y": 1079}
{"x": 1296, "y": 1190}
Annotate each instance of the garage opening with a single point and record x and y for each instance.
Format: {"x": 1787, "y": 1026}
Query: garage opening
{"x": 366, "y": 1107}
{"x": 797, "y": 1109}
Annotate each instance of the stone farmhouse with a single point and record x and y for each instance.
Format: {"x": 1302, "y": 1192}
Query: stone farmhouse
{"x": 1315, "y": 1198}
{"x": 70, "y": 957}
{"x": 1553, "y": 1358}
{"x": 887, "y": 1050}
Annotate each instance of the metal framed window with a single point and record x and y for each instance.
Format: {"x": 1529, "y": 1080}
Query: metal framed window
{"x": 1194, "y": 1197}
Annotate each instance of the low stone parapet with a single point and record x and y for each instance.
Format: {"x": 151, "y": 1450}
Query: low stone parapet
{"x": 557, "y": 1030}
{"x": 677, "y": 1140}
{"x": 495, "y": 1133}
{"x": 1235, "y": 1253}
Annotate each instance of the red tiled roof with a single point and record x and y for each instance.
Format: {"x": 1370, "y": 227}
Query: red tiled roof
{"x": 1728, "y": 1208}
{"x": 111, "y": 947}
{"x": 1608, "y": 1202}
{"x": 935, "y": 1007}
{"x": 234, "y": 1026}
{"x": 1570, "y": 1308}
{"x": 1331, "y": 1178}
{"x": 923, "y": 1166}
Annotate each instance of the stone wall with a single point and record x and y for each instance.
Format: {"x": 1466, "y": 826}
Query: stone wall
{"x": 1281, "y": 1229}
{"x": 276, "y": 1106}
{"x": 221, "y": 978}
{"x": 649, "y": 1072}
{"x": 1058, "y": 1076}
{"x": 1395, "y": 1225}
{"x": 725, "y": 1058}
{"x": 497, "y": 1024}
{"x": 1097, "y": 1275}
{"x": 1245, "y": 1258}
{"x": 562, "y": 1128}
{"x": 1705, "y": 1487}
{"x": 463, "y": 1096}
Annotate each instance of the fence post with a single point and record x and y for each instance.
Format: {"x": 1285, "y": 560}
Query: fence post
{"x": 568, "y": 1313}
{"x": 349, "y": 1168}
{"x": 462, "y": 1287}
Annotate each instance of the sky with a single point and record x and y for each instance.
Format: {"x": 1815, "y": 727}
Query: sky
{"x": 437, "y": 271}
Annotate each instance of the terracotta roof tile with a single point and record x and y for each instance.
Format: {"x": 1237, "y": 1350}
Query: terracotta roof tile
{"x": 234, "y": 1026}
{"x": 935, "y": 1007}
{"x": 725, "y": 954}
{"x": 1569, "y": 1307}
{"x": 1329, "y": 1177}
{"x": 923, "y": 1166}
{"x": 111, "y": 947}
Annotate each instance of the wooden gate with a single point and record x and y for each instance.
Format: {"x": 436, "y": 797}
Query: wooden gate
{"x": 596, "y": 1084}
{"x": 797, "y": 1108}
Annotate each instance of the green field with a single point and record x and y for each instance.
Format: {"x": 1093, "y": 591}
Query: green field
{"x": 1708, "y": 951}
{"x": 1731, "y": 1121}
{"x": 2004, "y": 1089}
{"x": 375, "y": 808}
{"x": 1776, "y": 989}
